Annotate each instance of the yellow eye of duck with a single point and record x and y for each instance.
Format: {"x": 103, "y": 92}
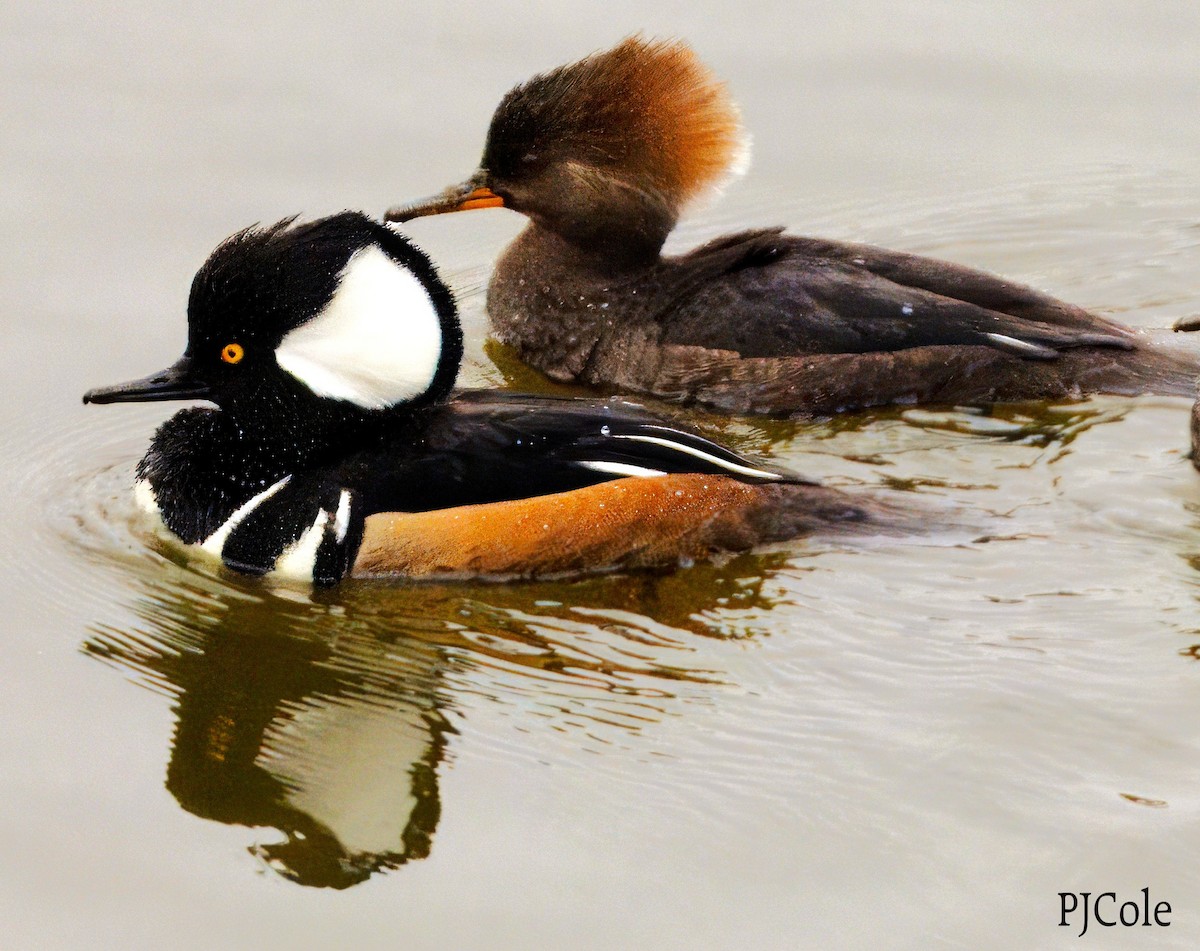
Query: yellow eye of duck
{"x": 232, "y": 353}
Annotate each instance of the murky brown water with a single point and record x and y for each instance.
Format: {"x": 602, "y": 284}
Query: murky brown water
{"x": 903, "y": 743}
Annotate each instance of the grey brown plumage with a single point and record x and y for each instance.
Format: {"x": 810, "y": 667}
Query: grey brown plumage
{"x": 596, "y": 154}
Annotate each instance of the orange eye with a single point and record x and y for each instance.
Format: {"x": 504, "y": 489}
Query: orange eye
{"x": 232, "y": 353}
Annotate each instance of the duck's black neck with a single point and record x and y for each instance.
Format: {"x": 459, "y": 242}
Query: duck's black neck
{"x": 203, "y": 464}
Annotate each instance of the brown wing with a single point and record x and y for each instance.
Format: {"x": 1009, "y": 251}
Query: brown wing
{"x": 961, "y": 283}
{"x": 823, "y": 384}
{"x": 767, "y": 294}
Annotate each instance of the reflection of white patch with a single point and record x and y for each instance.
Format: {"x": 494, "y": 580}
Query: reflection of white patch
{"x": 300, "y": 557}
{"x": 377, "y": 342}
{"x": 354, "y": 765}
{"x": 216, "y": 541}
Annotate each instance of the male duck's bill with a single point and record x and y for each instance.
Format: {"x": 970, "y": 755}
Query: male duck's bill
{"x": 174, "y": 383}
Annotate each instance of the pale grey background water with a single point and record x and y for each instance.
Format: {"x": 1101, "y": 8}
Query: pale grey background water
{"x": 891, "y": 745}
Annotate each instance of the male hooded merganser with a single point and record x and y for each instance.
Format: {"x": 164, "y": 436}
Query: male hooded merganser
{"x": 330, "y": 350}
{"x": 603, "y": 154}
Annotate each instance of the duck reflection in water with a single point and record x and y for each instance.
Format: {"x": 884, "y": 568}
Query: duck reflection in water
{"x": 324, "y": 715}
{"x": 275, "y": 729}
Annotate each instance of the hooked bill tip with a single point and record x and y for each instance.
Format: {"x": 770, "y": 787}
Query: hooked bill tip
{"x": 467, "y": 196}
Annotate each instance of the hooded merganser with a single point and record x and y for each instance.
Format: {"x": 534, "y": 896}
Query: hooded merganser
{"x": 1195, "y": 430}
{"x": 330, "y": 350}
{"x": 603, "y": 154}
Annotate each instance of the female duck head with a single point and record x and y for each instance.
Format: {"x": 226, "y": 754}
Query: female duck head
{"x": 608, "y": 150}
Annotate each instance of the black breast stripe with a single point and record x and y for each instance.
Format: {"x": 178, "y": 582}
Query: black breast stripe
{"x": 278, "y": 522}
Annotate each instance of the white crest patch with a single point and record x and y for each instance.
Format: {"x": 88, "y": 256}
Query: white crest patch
{"x": 739, "y": 164}
{"x": 743, "y": 153}
{"x": 378, "y": 341}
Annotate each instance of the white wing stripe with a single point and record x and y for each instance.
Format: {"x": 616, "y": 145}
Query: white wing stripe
{"x": 700, "y": 454}
{"x": 1022, "y": 347}
{"x": 622, "y": 468}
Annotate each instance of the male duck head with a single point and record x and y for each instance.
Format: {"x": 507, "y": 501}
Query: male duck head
{"x": 337, "y": 317}
{"x": 315, "y": 341}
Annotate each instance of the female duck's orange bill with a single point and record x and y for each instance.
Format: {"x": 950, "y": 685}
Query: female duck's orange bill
{"x": 468, "y": 196}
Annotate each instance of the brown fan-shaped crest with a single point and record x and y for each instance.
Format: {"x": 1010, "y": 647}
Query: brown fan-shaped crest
{"x": 649, "y": 110}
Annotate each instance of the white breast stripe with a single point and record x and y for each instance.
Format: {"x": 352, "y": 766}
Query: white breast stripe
{"x": 300, "y": 557}
{"x": 216, "y": 541}
{"x": 700, "y": 454}
{"x": 622, "y": 468}
{"x": 377, "y": 342}
{"x": 341, "y": 520}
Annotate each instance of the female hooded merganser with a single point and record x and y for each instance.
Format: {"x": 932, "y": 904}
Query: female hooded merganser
{"x": 603, "y": 154}
{"x": 1195, "y": 429}
{"x": 330, "y": 350}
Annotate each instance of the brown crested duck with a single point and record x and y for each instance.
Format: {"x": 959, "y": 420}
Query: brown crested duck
{"x": 603, "y": 154}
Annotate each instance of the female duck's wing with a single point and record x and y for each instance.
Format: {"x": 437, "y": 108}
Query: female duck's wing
{"x": 766, "y": 294}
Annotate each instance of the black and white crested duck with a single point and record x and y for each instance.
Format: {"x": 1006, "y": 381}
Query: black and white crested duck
{"x": 336, "y": 447}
